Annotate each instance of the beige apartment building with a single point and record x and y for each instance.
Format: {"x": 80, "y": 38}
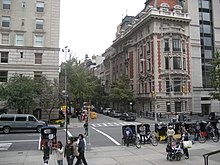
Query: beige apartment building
{"x": 29, "y": 38}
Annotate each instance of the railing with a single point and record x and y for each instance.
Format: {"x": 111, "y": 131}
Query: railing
{"x": 206, "y": 156}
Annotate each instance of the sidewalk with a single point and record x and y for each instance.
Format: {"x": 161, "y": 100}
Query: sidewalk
{"x": 114, "y": 155}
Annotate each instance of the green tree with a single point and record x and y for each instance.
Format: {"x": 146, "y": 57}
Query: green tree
{"x": 19, "y": 94}
{"x": 47, "y": 94}
{"x": 82, "y": 85}
{"x": 215, "y": 76}
{"x": 121, "y": 92}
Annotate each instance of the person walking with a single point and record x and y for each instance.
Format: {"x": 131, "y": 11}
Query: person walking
{"x": 170, "y": 134}
{"x": 185, "y": 137}
{"x": 142, "y": 130}
{"x": 68, "y": 151}
{"x": 81, "y": 150}
{"x": 46, "y": 150}
{"x": 86, "y": 128}
{"x": 59, "y": 153}
{"x": 75, "y": 148}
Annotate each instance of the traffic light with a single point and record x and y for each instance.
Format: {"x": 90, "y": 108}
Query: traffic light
{"x": 153, "y": 93}
{"x": 183, "y": 89}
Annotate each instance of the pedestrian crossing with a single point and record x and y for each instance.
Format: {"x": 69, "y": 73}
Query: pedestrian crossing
{"x": 114, "y": 124}
{"x": 5, "y": 146}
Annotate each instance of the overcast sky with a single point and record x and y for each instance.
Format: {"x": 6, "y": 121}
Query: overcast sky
{"x": 89, "y": 26}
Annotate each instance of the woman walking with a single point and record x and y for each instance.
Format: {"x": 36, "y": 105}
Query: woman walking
{"x": 81, "y": 150}
{"x": 59, "y": 153}
{"x": 185, "y": 137}
{"x": 68, "y": 152}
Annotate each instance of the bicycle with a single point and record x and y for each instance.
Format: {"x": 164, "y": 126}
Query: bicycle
{"x": 134, "y": 140}
{"x": 204, "y": 135}
{"x": 151, "y": 138}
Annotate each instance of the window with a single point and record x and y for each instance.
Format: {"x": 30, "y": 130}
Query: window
{"x": 5, "y": 21}
{"x": 19, "y": 39}
{"x": 40, "y": 6}
{"x": 38, "y": 58}
{"x": 206, "y": 16}
{"x": 208, "y": 54}
{"x": 177, "y": 106}
{"x": 176, "y": 45}
{"x": 166, "y": 62}
{"x": 39, "y": 24}
{"x": 5, "y": 38}
{"x": 38, "y": 40}
{"x": 20, "y": 118}
{"x": 7, "y": 118}
{"x": 168, "y": 87}
{"x": 4, "y": 57}
{"x": 3, "y": 76}
{"x": 21, "y": 53}
{"x": 37, "y": 74}
{"x": 166, "y": 45}
{"x": 168, "y": 107}
{"x": 31, "y": 118}
{"x": 6, "y": 4}
{"x": 207, "y": 41}
{"x": 206, "y": 29}
{"x": 23, "y": 4}
{"x": 177, "y": 85}
{"x": 184, "y": 63}
{"x": 176, "y": 63}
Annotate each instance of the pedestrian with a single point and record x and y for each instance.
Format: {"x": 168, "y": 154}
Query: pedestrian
{"x": 81, "y": 150}
{"x": 75, "y": 148}
{"x": 185, "y": 137}
{"x": 68, "y": 152}
{"x": 46, "y": 150}
{"x": 59, "y": 153}
{"x": 142, "y": 130}
{"x": 86, "y": 128}
{"x": 170, "y": 134}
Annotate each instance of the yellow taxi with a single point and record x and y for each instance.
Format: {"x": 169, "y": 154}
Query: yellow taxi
{"x": 93, "y": 115}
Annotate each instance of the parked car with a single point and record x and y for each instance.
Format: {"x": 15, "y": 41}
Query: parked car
{"x": 106, "y": 111}
{"x": 9, "y": 122}
{"x": 115, "y": 113}
{"x": 214, "y": 116}
{"x": 128, "y": 116}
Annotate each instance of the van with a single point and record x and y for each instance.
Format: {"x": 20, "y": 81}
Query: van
{"x": 10, "y": 122}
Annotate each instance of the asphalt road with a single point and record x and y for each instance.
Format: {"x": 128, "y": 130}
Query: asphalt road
{"x": 104, "y": 131}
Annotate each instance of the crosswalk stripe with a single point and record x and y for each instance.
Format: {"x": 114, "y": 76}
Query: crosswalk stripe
{"x": 114, "y": 124}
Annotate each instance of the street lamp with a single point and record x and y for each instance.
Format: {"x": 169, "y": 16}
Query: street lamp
{"x": 65, "y": 91}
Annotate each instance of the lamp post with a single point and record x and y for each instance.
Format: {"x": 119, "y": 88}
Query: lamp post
{"x": 65, "y": 91}
{"x": 88, "y": 148}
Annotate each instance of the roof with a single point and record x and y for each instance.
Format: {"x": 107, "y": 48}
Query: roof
{"x": 171, "y": 3}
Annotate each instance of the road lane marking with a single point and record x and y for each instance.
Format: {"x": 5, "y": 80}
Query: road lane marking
{"x": 4, "y": 146}
{"x": 39, "y": 146}
{"x": 68, "y": 133}
{"x": 18, "y": 141}
{"x": 109, "y": 137}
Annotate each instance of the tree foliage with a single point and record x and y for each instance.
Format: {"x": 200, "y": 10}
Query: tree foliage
{"x": 19, "y": 93}
{"x": 121, "y": 92}
{"x": 82, "y": 85}
{"x": 24, "y": 94}
{"x": 215, "y": 76}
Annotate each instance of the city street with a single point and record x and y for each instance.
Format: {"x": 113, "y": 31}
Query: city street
{"x": 106, "y": 148}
